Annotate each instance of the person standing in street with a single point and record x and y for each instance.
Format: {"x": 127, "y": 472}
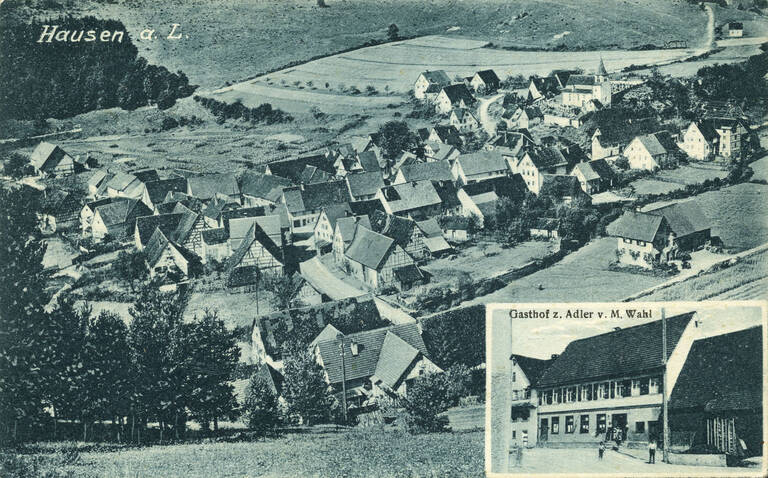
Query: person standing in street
{"x": 601, "y": 450}
{"x": 652, "y": 451}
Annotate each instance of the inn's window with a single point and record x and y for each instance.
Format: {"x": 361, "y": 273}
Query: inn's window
{"x": 654, "y": 385}
{"x": 556, "y": 395}
{"x": 635, "y": 387}
{"x": 569, "y": 424}
{"x": 639, "y": 427}
{"x": 601, "y": 422}
{"x": 514, "y": 376}
{"x": 644, "y": 385}
{"x": 584, "y": 424}
{"x": 571, "y": 397}
{"x": 555, "y": 425}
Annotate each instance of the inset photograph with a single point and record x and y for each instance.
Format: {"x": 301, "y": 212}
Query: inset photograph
{"x": 616, "y": 388}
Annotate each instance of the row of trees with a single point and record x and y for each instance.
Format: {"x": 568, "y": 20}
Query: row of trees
{"x": 264, "y": 113}
{"x": 61, "y": 79}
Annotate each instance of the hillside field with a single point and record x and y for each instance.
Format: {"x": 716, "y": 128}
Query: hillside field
{"x": 229, "y": 40}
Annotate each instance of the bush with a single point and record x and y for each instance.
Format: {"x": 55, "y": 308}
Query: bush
{"x": 261, "y": 410}
{"x": 428, "y": 398}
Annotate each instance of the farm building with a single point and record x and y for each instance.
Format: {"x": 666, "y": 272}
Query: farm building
{"x": 687, "y": 222}
{"x": 484, "y": 82}
{"x": 479, "y": 166}
{"x": 344, "y": 233}
{"x": 651, "y": 151}
{"x": 463, "y": 120}
{"x": 50, "y": 160}
{"x": 590, "y": 392}
{"x": 480, "y": 199}
{"x": 594, "y": 176}
{"x": 293, "y": 168}
{"x": 261, "y": 189}
{"x": 735, "y": 29}
{"x": 364, "y": 186}
{"x": 404, "y": 231}
{"x": 430, "y": 82}
{"x": 58, "y": 208}
{"x": 456, "y": 228}
{"x": 377, "y": 363}
{"x": 116, "y": 218}
{"x": 164, "y": 256}
{"x": 326, "y": 225}
{"x": 453, "y": 96}
{"x": 611, "y": 136}
{"x": 433, "y": 170}
{"x": 205, "y": 188}
{"x": 257, "y": 249}
{"x": 373, "y": 258}
{"x": 718, "y": 397}
{"x": 444, "y": 134}
{"x": 304, "y": 202}
{"x": 155, "y": 192}
{"x": 215, "y": 245}
{"x": 418, "y": 199}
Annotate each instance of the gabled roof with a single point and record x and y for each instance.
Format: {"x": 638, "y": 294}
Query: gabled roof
{"x": 596, "y": 169}
{"x": 545, "y": 157}
{"x": 365, "y": 183}
{"x": 309, "y": 197}
{"x": 334, "y": 212}
{"x": 458, "y": 92}
{"x": 254, "y": 234}
{"x": 533, "y": 368}
{"x": 546, "y": 84}
{"x": 395, "y": 227}
{"x": 658, "y": 143}
{"x": 684, "y": 218}
{"x": 369, "y": 248}
{"x": 97, "y": 178}
{"x": 312, "y": 174}
{"x": 560, "y": 186}
{"x": 372, "y": 354}
{"x": 437, "y": 77}
{"x": 430, "y": 227}
{"x": 489, "y": 77}
{"x": 186, "y": 225}
{"x": 482, "y": 162}
{"x": 722, "y": 373}
{"x": 263, "y": 186}
{"x": 347, "y": 226}
{"x": 146, "y": 225}
{"x": 47, "y": 155}
{"x": 448, "y": 134}
{"x": 637, "y": 225}
{"x": 218, "y": 206}
{"x": 367, "y": 207}
{"x": 329, "y": 332}
{"x": 614, "y": 132}
{"x": 155, "y": 247}
{"x": 410, "y": 196}
{"x": 146, "y": 175}
{"x": 121, "y": 181}
{"x": 206, "y": 187}
{"x": 158, "y": 190}
{"x": 121, "y": 211}
{"x": 618, "y": 353}
{"x": 433, "y": 170}
{"x": 574, "y": 81}
{"x": 293, "y": 168}
{"x": 505, "y": 186}
{"x": 370, "y": 161}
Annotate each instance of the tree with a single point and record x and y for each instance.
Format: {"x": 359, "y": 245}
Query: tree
{"x": 395, "y": 137}
{"x": 306, "y": 393}
{"x": 427, "y": 399}
{"x": 16, "y": 166}
{"x": 23, "y": 341}
{"x": 284, "y": 289}
{"x": 209, "y": 356}
{"x": 131, "y": 267}
{"x": 393, "y": 33}
{"x": 261, "y": 409}
{"x": 106, "y": 381}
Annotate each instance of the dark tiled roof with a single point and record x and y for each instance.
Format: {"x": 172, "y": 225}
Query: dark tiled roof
{"x": 293, "y": 168}
{"x": 371, "y": 352}
{"x": 547, "y": 157}
{"x": 455, "y": 223}
{"x": 365, "y": 183}
{"x": 206, "y": 187}
{"x": 146, "y": 225}
{"x": 122, "y": 211}
{"x": 482, "y": 162}
{"x": 489, "y": 77}
{"x": 395, "y": 227}
{"x": 312, "y": 174}
{"x": 685, "y": 217}
{"x": 637, "y": 225}
{"x": 264, "y": 186}
{"x": 619, "y": 353}
{"x": 146, "y": 175}
{"x": 348, "y": 225}
{"x": 505, "y": 186}
{"x": 408, "y": 274}
{"x": 155, "y": 247}
{"x": 560, "y": 186}
{"x": 367, "y": 207}
{"x": 369, "y": 248}
{"x": 722, "y": 373}
{"x": 546, "y": 85}
{"x": 215, "y": 236}
{"x": 433, "y": 170}
{"x": 447, "y": 134}
{"x": 581, "y": 80}
{"x": 334, "y": 212}
{"x": 615, "y": 132}
{"x": 370, "y": 161}
{"x": 457, "y": 93}
{"x": 533, "y": 368}
{"x": 411, "y": 196}
{"x": 310, "y": 197}
{"x": 437, "y": 77}
{"x": 158, "y": 190}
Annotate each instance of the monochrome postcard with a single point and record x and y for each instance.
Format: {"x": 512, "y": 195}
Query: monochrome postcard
{"x": 258, "y": 237}
{"x": 666, "y": 388}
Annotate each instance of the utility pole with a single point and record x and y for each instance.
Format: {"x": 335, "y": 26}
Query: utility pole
{"x": 343, "y": 378}
{"x": 664, "y": 410}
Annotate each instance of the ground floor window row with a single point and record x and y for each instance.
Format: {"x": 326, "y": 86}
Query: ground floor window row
{"x": 617, "y": 428}
{"x": 601, "y": 391}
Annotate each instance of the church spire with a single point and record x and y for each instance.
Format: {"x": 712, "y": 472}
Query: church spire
{"x": 601, "y": 68}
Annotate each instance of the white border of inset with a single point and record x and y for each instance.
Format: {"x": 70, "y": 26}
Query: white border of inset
{"x": 506, "y": 330}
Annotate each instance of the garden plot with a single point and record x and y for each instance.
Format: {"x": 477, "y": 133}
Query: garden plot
{"x": 671, "y": 180}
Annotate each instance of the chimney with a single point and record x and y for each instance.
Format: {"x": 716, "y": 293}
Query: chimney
{"x": 554, "y": 356}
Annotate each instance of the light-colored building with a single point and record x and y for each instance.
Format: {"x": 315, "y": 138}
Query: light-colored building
{"x": 479, "y": 166}
{"x": 49, "y": 159}
{"x": 427, "y": 80}
{"x": 453, "y": 96}
{"x": 651, "y": 151}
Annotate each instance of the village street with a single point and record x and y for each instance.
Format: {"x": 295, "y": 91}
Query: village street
{"x": 485, "y": 120}
{"x": 584, "y": 460}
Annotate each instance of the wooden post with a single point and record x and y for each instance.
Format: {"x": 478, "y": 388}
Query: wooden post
{"x": 664, "y": 402}
{"x": 498, "y": 337}
{"x": 343, "y": 378}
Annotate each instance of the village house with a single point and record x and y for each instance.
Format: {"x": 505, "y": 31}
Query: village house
{"x": 718, "y": 398}
{"x": 364, "y": 186}
{"x": 293, "y": 168}
{"x": 304, "y": 202}
{"x": 374, "y": 258}
{"x": 222, "y": 185}
{"x": 523, "y": 417}
{"x": 50, "y": 160}
{"x": 453, "y": 96}
{"x": 116, "y": 218}
{"x": 417, "y": 200}
{"x": 257, "y": 250}
{"x": 215, "y": 245}
{"x": 610, "y": 137}
{"x": 325, "y": 226}
{"x": 261, "y": 189}
{"x": 548, "y": 86}
{"x": 87, "y": 212}
{"x": 445, "y": 134}
{"x": 591, "y": 393}
{"x": 164, "y": 256}
{"x": 523, "y": 117}
{"x": 430, "y": 82}
{"x": 545, "y": 228}
{"x": 96, "y": 181}
{"x": 123, "y": 185}
{"x": 456, "y": 228}
{"x": 735, "y": 29}
{"x": 433, "y": 170}
{"x": 377, "y": 363}
{"x": 485, "y": 82}
{"x": 344, "y": 233}
{"x": 689, "y": 224}
{"x": 463, "y": 120}
{"x": 440, "y": 152}
{"x": 404, "y": 231}
{"x": 238, "y": 222}
{"x": 651, "y": 151}
{"x": 594, "y": 176}
{"x": 372, "y": 161}
{"x": 214, "y": 210}
{"x": 479, "y": 166}
{"x": 145, "y": 227}
{"x": 539, "y": 161}
{"x": 432, "y": 237}
{"x": 155, "y": 192}
{"x": 723, "y": 137}
{"x": 58, "y": 208}
{"x": 480, "y": 199}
